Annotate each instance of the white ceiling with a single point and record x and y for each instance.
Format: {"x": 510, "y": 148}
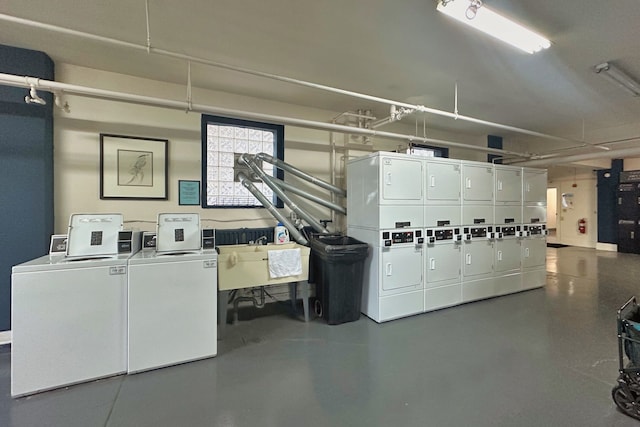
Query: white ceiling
{"x": 398, "y": 49}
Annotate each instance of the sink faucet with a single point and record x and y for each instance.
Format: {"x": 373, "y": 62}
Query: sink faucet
{"x": 262, "y": 240}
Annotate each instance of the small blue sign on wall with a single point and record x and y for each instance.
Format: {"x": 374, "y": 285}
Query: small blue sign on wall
{"x": 189, "y": 193}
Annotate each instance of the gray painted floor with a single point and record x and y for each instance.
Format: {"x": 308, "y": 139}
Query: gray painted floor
{"x": 546, "y": 357}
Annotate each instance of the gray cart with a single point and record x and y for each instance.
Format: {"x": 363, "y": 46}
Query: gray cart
{"x": 626, "y": 394}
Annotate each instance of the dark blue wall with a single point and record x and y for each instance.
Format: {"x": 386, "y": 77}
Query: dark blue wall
{"x": 607, "y": 202}
{"x": 26, "y": 170}
{"x": 494, "y": 142}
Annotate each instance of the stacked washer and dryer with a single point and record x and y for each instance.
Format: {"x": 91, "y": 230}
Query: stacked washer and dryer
{"x": 534, "y": 217}
{"x": 444, "y": 231}
{"x": 385, "y": 206}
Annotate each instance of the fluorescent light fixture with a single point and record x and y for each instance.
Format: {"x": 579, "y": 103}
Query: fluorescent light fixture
{"x": 478, "y": 16}
{"x": 619, "y": 77}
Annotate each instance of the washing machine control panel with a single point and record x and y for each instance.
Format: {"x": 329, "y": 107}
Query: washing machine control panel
{"x": 402, "y": 237}
{"x": 443, "y": 234}
{"x": 471, "y": 233}
{"x": 512, "y": 230}
{"x": 537, "y": 230}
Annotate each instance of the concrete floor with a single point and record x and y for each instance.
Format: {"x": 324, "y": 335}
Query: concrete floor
{"x": 546, "y": 357}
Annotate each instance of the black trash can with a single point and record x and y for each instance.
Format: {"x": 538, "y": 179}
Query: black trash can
{"x": 337, "y": 269}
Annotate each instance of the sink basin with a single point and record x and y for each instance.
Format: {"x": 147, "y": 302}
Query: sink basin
{"x": 245, "y": 266}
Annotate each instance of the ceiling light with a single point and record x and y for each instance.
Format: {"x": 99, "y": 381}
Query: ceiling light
{"x": 620, "y": 78}
{"x": 476, "y": 15}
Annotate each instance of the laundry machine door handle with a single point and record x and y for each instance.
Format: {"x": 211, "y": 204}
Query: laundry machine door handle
{"x": 499, "y": 255}
{"x": 387, "y": 178}
{"x": 526, "y": 252}
{"x": 468, "y": 259}
{"x": 389, "y": 269}
{"x": 432, "y": 263}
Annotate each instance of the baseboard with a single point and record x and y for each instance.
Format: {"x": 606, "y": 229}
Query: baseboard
{"x": 611, "y": 247}
{"x": 5, "y": 337}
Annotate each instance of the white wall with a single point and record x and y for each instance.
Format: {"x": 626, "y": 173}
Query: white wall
{"x": 77, "y": 147}
{"x": 582, "y": 184}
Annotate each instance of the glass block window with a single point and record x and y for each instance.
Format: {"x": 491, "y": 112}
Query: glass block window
{"x": 223, "y": 141}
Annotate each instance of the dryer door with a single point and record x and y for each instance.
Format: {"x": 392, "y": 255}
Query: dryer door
{"x": 401, "y": 268}
{"x": 478, "y": 258}
{"x": 508, "y": 254}
{"x": 401, "y": 180}
{"x": 443, "y": 263}
{"x": 534, "y": 252}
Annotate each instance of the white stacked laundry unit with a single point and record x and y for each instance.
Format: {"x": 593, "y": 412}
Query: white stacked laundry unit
{"x": 534, "y": 243}
{"x": 483, "y": 232}
{"x": 385, "y": 206}
{"x": 508, "y": 229}
{"x": 477, "y": 229}
{"x": 443, "y": 239}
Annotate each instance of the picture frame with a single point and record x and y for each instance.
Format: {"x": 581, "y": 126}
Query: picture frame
{"x": 133, "y": 168}
{"x": 188, "y": 193}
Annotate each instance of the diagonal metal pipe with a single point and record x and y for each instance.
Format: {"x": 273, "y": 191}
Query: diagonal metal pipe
{"x": 300, "y": 174}
{"x": 247, "y": 159}
{"x": 293, "y": 231}
{"x": 319, "y": 200}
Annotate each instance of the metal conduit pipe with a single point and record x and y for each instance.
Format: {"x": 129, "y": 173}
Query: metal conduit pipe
{"x": 293, "y": 231}
{"x": 604, "y": 145}
{"x": 247, "y": 159}
{"x": 300, "y": 174}
{"x": 51, "y": 86}
{"x": 332, "y": 168}
{"x": 319, "y": 200}
{"x": 625, "y": 152}
{"x": 149, "y": 49}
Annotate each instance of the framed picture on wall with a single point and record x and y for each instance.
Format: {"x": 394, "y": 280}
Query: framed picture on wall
{"x": 133, "y": 168}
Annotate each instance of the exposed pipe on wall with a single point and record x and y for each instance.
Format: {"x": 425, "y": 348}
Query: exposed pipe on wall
{"x": 612, "y": 154}
{"x": 51, "y": 86}
{"x": 149, "y": 49}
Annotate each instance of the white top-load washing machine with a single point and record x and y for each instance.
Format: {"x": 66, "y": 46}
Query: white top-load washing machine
{"x": 68, "y": 312}
{"x": 172, "y": 297}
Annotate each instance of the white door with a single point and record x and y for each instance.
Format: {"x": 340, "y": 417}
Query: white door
{"x": 401, "y": 180}
{"x": 534, "y": 252}
{"x": 478, "y": 183}
{"x": 443, "y": 182}
{"x": 507, "y": 256}
{"x": 535, "y": 186}
{"x": 401, "y": 267}
{"x": 443, "y": 263}
{"x": 478, "y": 258}
{"x": 508, "y": 185}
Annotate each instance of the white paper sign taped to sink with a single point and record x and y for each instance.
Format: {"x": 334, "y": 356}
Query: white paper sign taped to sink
{"x": 284, "y": 263}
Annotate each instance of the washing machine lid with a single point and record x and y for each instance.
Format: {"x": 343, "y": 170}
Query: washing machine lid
{"x": 178, "y": 232}
{"x": 93, "y": 235}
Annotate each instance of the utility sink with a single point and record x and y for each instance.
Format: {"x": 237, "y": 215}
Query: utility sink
{"x": 245, "y": 266}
